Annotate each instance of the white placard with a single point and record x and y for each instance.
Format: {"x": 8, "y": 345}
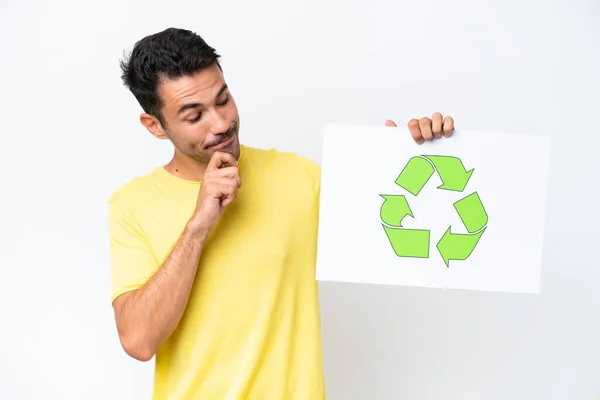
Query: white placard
{"x": 465, "y": 212}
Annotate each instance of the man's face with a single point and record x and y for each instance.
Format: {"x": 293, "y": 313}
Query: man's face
{"x": 200, "y": 115}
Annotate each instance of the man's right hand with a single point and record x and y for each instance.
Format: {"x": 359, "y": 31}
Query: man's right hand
{"x": 219, "y": 188}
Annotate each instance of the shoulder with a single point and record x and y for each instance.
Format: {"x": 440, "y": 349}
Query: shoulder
{"x": 129, "y": 194}
{"x": 286, "y": 163}
{"x": 273, "y": 157}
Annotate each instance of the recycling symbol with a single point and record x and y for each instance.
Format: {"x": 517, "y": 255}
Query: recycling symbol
{"x": 416, "y": 242}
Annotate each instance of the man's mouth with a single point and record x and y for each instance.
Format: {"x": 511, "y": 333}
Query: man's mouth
{"x": 225, "y": 138}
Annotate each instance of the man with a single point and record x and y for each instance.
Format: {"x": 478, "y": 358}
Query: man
{"x": 213, "y": 254}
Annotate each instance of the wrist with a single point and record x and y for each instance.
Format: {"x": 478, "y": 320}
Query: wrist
{"x": 197, "y": 229}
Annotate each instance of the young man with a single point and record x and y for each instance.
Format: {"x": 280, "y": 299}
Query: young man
{"x": 213, "y": 254}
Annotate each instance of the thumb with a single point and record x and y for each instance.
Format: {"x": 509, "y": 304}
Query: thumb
{"x": 391, "y": 123}
{"x": 219, "y": 160}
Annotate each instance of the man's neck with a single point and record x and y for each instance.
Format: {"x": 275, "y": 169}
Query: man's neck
{"x": 186, "y": 168}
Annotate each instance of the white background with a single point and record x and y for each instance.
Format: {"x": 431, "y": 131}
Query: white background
{"x": 70, "y": 135}
{"x": 511, "y": 182}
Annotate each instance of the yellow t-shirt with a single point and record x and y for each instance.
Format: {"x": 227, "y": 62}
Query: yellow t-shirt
{"x": 251, "y": 329}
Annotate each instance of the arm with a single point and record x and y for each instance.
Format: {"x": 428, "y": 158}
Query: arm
{"x": 147, "y": 316}
{"x": 154, "y": 297}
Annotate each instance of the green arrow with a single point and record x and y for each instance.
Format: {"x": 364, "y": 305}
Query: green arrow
{"x": 394, "y": 209}
{"x": 405, "y": 242}
{"x": 471, "y": 212}
{"x": 457, "y": 246}
{"x": 452, "y": 172}
{"x": 415, "y": 175}
{"x": 408, "y": 242}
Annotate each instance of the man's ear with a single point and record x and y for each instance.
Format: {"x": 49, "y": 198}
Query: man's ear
{"x": 153, "y": 125}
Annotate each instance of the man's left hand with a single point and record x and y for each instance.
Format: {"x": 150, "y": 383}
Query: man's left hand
{"x": 428, "y": 128}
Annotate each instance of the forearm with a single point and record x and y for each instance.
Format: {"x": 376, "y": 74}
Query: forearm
{"x": 150, "y": 314}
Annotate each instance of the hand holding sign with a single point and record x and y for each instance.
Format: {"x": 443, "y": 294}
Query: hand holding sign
{"x": 426, "y": 129}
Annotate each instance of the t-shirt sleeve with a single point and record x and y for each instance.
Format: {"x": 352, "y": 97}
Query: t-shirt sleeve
{"x": 132, "y": 261}
{"x": 313, "y": 174}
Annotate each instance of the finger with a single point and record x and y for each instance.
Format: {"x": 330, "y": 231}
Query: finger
{"x": 228, "y": 192}
{"x": 413, "y": 127}
{"x": 220, "y": 159}
{"x": 391, "y": 123}
{"x": 222, "y": 188}
{"x": 448, "y": 126}
{"x": 225, "y": 201}
{"x": 228, "y": 189}
{"x": 436, "y": 125}
{"x": 225, "y": 173}
{"x": 425, "y": 126}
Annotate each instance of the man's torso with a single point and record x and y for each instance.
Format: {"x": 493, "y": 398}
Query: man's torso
{"x": 251, "y": 328}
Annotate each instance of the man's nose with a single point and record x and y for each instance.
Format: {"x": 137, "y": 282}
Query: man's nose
{"x": 220, "y": 123}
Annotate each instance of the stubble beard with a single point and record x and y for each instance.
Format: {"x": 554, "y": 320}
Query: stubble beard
{"x": 204, "y": 156}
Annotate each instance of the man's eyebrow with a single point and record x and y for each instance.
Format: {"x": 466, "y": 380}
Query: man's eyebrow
{"x": 187, "y": 106}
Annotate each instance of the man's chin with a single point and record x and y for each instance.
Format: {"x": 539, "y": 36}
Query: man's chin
{"x": 232, "y": 148}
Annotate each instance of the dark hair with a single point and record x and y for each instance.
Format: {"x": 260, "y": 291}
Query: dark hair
{"x": 170, "y": 54}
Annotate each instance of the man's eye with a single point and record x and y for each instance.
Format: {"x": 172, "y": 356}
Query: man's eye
{"x": 197, "y": 118}
{"x": 222, "y": 103}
